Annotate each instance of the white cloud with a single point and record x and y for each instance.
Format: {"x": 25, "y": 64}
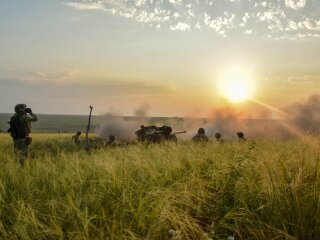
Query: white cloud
{"x": 197, "y": 26}
{"x": 86, "y": 5}
{"x": 175, "y": 2}
{"x": 296, "y": 4}
{"x": 276, "y": 19}
{"x": 248, "y": 31}
{"x": 181, "y": 26}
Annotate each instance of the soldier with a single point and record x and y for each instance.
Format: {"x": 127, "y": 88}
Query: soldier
{"x": 200, "y": 136}
{"x": 20, "y": 128}
{"x": 241, "y": 137}
{"x": 112, "y": 141}
{"x": 76, "y": 138}
{"x": 219, "y": 138}
{"x": 141, "y": 133}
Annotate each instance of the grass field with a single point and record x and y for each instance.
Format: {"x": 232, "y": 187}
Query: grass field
{"x": 257, "y": 190}
{"x": 53, "y": 123}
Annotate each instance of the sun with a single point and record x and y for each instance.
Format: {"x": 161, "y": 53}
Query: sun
{"x": 236, "y": 85}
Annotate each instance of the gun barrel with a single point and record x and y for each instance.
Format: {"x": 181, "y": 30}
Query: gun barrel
{"x": 176, "y": 133}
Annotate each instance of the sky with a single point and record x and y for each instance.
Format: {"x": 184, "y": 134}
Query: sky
{"x": 60, "y": 56}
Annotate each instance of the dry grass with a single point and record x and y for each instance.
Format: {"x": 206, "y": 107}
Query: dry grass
{"x": 256, "y": 190}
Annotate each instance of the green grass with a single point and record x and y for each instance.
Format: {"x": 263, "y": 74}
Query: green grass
{"x": 257, "y": 190}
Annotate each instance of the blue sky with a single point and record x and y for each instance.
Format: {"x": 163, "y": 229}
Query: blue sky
{"x": 166, "y": 53}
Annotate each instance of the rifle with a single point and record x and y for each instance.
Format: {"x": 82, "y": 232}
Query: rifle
{"x": 87, "y": 132}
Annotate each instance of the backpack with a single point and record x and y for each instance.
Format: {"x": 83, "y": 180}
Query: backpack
{"x": 18, "y": 128}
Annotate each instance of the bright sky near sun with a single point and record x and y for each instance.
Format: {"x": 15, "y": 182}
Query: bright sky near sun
{"x": 179, "y": 57}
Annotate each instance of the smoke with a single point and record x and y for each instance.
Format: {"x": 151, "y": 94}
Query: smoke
{"x": 117, "y": 126}
{"x": 225, "y": 120}
{"x": 305, "y": 115}
{"x": 302, "y": 117}
{"x": 142, "y": 111}
{"x": 124, "y": 128}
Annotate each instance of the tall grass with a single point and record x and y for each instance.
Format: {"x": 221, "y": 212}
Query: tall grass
{"x": 257, "y": 190}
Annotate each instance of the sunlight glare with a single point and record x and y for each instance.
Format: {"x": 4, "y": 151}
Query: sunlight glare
{"x": 236, "y": 85}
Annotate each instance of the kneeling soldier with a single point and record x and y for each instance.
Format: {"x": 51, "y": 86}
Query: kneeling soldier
{"x": 200, "y": 136}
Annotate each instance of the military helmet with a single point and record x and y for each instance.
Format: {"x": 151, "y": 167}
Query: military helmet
{"x": 240, "y": 134}
{"x": 79, "y": 133}
{"x": 218, "y": 135}
{"x": 20, "y": 108}
{"x": 201, "y": 131}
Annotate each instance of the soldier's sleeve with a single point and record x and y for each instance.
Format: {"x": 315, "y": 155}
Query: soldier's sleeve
{"x": 33, "y": 117}
{"x": 29, "y": 118}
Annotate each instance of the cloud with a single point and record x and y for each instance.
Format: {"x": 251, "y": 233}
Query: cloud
{"x": 181, "y": 26}
{"x": 295, "y": 4}
{"x": 61, "y": 76}
{"x": 278, "y": 19}
{"x": 87, "y": 5}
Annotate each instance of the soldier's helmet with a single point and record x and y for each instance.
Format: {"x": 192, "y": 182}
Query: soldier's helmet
{"x": 112, "y": 138}
{"x": 240, "y": 134}
{"x": 20, "y": 108}
{"x": 142, "y": 126}
{"x": 218, "y": 135}
{"x": 201, "y": 131}
{"x": 79, "y": 133}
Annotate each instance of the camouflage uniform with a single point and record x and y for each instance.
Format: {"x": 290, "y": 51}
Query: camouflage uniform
{"x": 21, "y": 149}
{"x": 20, "y": 128}
{"x": 200, "y": 136}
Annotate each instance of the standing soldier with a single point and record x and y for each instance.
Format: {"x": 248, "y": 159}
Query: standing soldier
{"x": 76, "y": 138}
{"x": 200, "y": 136}
{"x": 20, "y": 128}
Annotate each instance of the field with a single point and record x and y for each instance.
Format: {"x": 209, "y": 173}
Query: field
{"x": 53, "y": 123}
{"x": 256, "y": 190}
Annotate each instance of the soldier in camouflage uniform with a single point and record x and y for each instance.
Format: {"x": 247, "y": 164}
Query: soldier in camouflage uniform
{"x": 76, "y": 138}
{"x": 200, "y": 136}
{"x": 20, "y": 128}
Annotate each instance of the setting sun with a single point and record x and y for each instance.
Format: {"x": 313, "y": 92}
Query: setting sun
{"x": 236, "y": 85}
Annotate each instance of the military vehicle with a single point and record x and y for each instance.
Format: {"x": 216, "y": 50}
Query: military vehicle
{"x": 154, "y": 134}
